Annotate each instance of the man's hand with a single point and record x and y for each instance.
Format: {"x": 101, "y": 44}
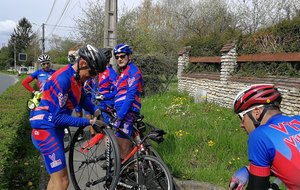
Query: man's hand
{"x": 239, "y": 179}
{"x": 97, "y": 125}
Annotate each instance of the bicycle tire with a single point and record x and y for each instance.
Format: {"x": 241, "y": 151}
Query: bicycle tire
{"x": 67, "y": 139}
{"x": 145, "y": 172}
{"x": 86, "y": 168}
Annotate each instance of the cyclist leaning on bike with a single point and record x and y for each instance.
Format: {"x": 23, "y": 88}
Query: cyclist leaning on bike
{"x": 273, "y": 144}
{"x": 127, "y": 99}
{"x": 62, "y": 92}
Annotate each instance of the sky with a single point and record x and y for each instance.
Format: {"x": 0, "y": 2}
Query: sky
{"x": 39, "y": 12}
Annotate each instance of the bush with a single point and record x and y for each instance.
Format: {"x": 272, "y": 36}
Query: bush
{"x": 158, "y": 71}
{"x": 19, "y": 160}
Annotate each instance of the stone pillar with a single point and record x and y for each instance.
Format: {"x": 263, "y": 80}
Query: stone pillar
{"x": 183, "y": 60}
{"x": 228, "y": 61}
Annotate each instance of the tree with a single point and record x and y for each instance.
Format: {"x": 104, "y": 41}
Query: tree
{"x": 21, "y": 38}
{"x": 91, "y": 25}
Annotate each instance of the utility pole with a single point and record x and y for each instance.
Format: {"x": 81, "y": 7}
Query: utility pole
{"x": 43, "y": 38}
{"x": 15, "y": 54}
{"x": 110, "y": 26}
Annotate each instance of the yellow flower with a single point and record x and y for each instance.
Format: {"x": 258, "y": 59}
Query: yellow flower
{"x": 29, "y": 183}
{"x": 211, "y": 143}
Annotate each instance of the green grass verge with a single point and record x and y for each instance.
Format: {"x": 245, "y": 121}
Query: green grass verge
{"x": 19, "y": 161}
{"x": 204, "y": 141}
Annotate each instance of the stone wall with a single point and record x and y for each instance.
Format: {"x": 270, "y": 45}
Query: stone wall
{"x": 224, "y": 90}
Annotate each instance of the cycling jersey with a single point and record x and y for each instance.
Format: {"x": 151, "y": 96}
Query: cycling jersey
{"x": 129, "y": 88}
{"x": 275, "y": 148}
{"x": 107, "y": 87}
{"x": 62, "y": 92}
{"x": 41, "y": 77}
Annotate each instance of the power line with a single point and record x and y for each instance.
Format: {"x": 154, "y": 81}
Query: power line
{"x": 63, "y": 12}
{"x": 51, "y": 11}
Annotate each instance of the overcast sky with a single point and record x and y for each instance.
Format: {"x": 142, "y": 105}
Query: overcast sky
{"x": 38, "y": 12}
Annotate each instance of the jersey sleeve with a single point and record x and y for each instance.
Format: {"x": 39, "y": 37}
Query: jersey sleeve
{"x": 26, "y": 84}
{"x": 133, "y": 82}
{"x": 261, "y": 153}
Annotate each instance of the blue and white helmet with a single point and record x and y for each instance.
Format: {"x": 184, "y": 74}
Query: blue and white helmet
{"x": 122, "y": 48}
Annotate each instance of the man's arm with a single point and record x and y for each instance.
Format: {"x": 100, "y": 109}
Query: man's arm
{"x": 26, "y": 82}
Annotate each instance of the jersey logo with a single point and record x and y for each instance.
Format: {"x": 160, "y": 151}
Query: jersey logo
{"x": 62, "y": 99}
{"x": 54, "y": 162}
{"x": 131, "y": 81}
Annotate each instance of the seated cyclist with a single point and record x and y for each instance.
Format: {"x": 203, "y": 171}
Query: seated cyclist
{"x": 62, "y": 92}
{"x": 273, "y": 148}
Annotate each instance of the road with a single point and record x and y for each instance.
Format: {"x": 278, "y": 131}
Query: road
{"x": 6, "y": 81}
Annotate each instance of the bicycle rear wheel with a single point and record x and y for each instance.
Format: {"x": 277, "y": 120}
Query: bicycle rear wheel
{"x": 94, "y": 165}
{"x": 147, "y": 173}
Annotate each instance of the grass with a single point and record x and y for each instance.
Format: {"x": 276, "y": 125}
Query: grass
{"x": 204, "y": 141}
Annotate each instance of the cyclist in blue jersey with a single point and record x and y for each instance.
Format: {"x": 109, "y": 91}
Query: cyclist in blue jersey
{"x": 40, "y": 75}
{"x": 273, "y": 144}
{"x": 107, "y": 87}
{"x": 62, "y": 92}
{"x": 127, "y": 98}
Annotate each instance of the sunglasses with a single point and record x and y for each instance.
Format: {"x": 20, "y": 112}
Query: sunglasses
{"x": 45, "y": 63}
{"x": 243, "y": 113}
{"x": 120, "y": 56}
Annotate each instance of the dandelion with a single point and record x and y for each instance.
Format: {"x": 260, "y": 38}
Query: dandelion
{"x": 238, "y": 158}
{"x": 29, "y": 183}
{"x": 230, "y": 163}
{"x": 196, "y": 150}
{"x": 211, "y": 143}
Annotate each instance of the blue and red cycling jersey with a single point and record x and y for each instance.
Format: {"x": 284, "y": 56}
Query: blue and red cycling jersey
{"x": 41, "y": 77}
{"x": 275, "y": 148}
{"x": 129, "y": 88}
{"x": 107, "y": 85}
{"x": 62, "y": 92}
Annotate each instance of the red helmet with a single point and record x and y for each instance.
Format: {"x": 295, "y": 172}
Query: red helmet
{"x": 256, "y": 95}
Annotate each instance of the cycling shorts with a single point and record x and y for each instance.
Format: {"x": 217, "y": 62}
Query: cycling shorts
{"x": 127, "y": 125}
{"x": 50, "y": 143}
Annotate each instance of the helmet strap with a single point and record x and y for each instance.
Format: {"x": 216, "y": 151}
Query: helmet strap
{"x": 77, "y": 76}
{"x": 257, "y": 122}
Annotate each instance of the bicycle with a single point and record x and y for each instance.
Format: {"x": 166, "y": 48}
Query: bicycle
{"x": 143, "y": 168}
{"x": 94, "y": 162}
{"x": 33, "y": 102}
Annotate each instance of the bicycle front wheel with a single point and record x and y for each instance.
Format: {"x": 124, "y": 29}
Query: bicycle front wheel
{"x": 146, "y": 172}
{"x": 94, "y": 162}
